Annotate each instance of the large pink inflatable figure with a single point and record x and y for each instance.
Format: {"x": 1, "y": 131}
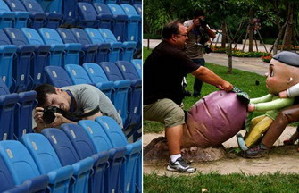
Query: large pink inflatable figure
{"x": 214, "y": 119}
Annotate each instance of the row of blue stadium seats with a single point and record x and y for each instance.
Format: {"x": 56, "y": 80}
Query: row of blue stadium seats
{"x": 92, "y": 156}
{"x": 124, "y": 20}
{"x": 25, "y": 52}
{"x": 119, "y": 81}
{"x": 26, "y": 13}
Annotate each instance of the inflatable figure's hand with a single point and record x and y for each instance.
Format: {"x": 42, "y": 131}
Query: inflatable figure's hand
{"x": 283, "y": 94}
{"x": 250, "y": 108}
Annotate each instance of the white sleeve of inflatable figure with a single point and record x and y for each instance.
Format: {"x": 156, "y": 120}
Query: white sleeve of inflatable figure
{"x": 293, "y": 91}
{"x": 188, "y": 23}
{"x": 261, "y": 99}
{"x": 275, "y": 104}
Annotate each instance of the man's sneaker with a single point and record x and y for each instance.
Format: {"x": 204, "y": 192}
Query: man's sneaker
{"x": 257, "y": 151}
{"x": 180, "y": 165}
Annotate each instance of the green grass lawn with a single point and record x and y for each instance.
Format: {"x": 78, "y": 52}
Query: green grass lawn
{"x": 232, "y": 183}
{"x": 216, "y": 183}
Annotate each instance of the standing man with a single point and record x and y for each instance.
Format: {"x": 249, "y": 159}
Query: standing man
{"x": 164, "y": 70}
{"x": 197, "y": 37}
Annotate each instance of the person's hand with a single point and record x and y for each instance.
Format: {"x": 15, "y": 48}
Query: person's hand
{"x": 38, "y": 115}
{"x": 226, "y": 86}
{"x": 59, "y": 119}
{"x": 250, "y": 108}
{"x": 283, "y": 94}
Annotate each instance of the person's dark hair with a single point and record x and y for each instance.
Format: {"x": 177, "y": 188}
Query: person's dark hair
{"x": 41, "y": 91}
{"x": 170, "y": 29}
{"x": 198, "y": 13}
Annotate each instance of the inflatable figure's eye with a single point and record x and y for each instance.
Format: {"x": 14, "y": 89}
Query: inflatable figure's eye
{"x": 271, "y": 71}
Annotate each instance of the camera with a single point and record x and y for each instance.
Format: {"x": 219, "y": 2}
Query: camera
{"x": 208, "y": 49}
{"x": 49, "y": 111}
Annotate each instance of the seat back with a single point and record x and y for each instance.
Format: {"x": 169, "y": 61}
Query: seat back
{"x": 138, "y": 66}
{"x": 113, "y": 131}
{"x": 112, "y": 71}
{"x": 128, "y": 70}
{"x": 87, "y": 13}
{"x": 4, "y": 7}
{"x": 80, "y": 140}
{"x": 33, "y": 36}
{"x": 42, "y": 152}
{"x": 120, "y": 24}
{"x": 16, "y": 36}
{"x": 15, "y": 5}
{"x": 138, "y": 8}
{"x": 32, "y": 6}
{"x": 94, "y": 36}
{"x": 18, "y": 160}
{"x": 57, "y": 76}
{"x": 81, "y": 36}
{"x": 95, "y": 72}
{"x": 97, "y": 135}
{"x": 62, "y": 146}
{"x": 50, "y": 36}
{"x": 77, "y": 74}
{"x": 67, "y": 36}
{"x": 107, "y": 35}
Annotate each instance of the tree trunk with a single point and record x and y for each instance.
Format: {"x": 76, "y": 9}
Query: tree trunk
{"x": 224, "y": 34}
{"x": 288, "y": 36}
{"x": 250, "y": 49}
{"x": 279, "y": 36}
{"x": 229, "y": 53}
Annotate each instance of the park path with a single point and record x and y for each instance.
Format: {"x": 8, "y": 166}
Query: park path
{"x": 282, "y": 162}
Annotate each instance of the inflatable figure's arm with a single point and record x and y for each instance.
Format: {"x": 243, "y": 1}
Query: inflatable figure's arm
{"x": 274, "y": 105}
{"x": 293, "y": 91}
{"x": 261, "y": 99}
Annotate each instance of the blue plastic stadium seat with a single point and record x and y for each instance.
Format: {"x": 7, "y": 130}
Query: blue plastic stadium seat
{"x": 78, "y": 74}
{"x": 5, "y": 177}
{"x": 111, "y": 1}
{"x": 38, "y": 18}
{"x": 52, "y": 6}
{"x": 19, "y": 162}
{"x": 47, "y": 162}
{"x": 7, "y": 51}
{"x": 22, "y": 61}
{"x": 87, "y": 15}
{"x": 21, "y": 14}
{"x": 138, "y": 8}
{"x": 133, "y": 152}
{"x": 70, "y": 51}
{"x": 138, "y": 66}
{"x": 128, "y": 47}
{"x": 40, "y": 58}
{"x": 23, "y": 113}
{"x": 68, "y": 156}
{"x": 102, "y": 144}
{"x": 91, "y": 49}
{"x": 105, "y": 52}
{"x": 122, "y": 89}
{"x": 104, "y": 15}
{"x": 57, "y": 76}
{"x": 98, "y": 77}
{"x": 6, "y": 16}
{"x": 70, "y": 11}
{"x": 120, "y": 22}
{"x": 129, "y": 72}
{"x": 88, "y": 52}
{"x": 134, "y": 22}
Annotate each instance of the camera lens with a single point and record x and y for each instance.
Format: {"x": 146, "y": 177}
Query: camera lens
{"x": 49, "y": 116}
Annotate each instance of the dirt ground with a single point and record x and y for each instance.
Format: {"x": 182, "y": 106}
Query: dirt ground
{"x": 283, "y": 159}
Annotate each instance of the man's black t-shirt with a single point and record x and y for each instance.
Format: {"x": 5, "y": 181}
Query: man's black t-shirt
{"x": 163, "y": 72}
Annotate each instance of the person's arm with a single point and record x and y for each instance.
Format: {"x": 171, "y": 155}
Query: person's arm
{"x": 210, "y": 77}
{"x": 261, "y": 99}
{"x": 191, "y": 24}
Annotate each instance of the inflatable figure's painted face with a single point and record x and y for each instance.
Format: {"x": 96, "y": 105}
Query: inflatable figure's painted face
{"x": 280, "y": 76}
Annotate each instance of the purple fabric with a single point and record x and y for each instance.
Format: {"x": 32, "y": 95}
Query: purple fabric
{"x": 214, "y": 119}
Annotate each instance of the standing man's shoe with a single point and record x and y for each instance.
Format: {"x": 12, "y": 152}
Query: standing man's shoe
{"x": 180, "y": 165}
{"x": 257, "y": 151}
